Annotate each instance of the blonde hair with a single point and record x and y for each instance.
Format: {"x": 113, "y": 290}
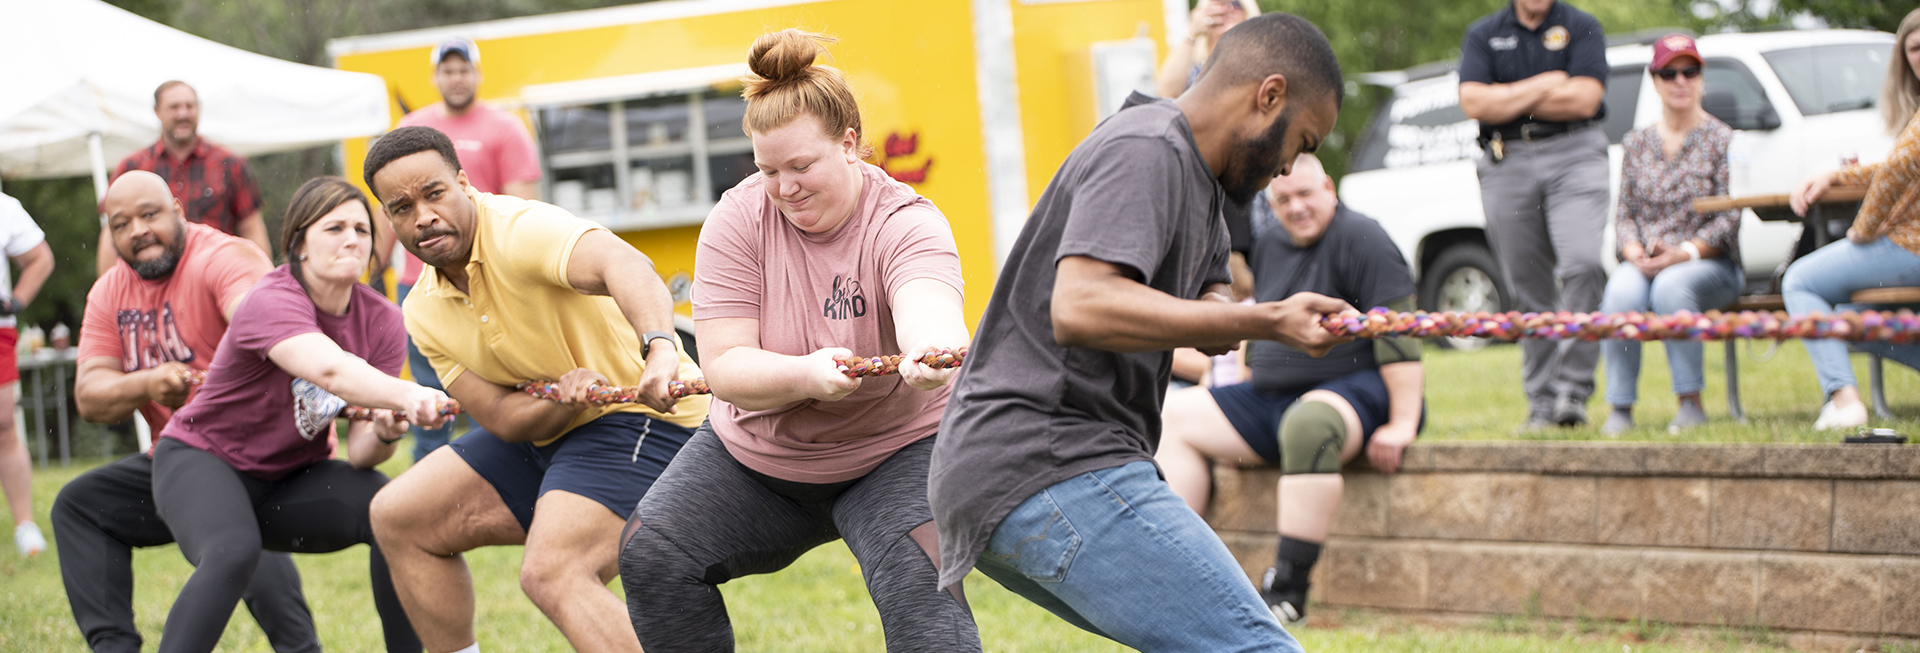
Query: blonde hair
{"x": 787, "y": 83}
{"x": 1900, "y": 98}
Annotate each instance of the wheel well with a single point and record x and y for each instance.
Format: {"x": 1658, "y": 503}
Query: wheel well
{"x": 1437, "y": 242}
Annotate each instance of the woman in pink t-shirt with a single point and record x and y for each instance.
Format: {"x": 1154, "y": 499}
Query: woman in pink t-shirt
{"x": 818, "y": 256}
{"x": 248, "y": 464}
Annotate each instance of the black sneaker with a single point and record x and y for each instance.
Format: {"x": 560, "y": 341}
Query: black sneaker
{"x": 1568, "y": 411}
{"x": 1289, "y": 604}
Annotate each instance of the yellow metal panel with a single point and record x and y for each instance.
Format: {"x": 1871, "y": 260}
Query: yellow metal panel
{"x": 911, "y": 65}
{"x": 1051, "y": 42}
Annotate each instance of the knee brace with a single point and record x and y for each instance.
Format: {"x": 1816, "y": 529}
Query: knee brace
{"x": 1311, "y": 436}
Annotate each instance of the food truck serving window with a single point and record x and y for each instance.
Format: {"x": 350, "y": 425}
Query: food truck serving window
{"x": 644, "y": 162}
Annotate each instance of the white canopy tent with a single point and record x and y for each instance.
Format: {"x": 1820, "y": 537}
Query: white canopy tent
{"x": 79, "y": 77}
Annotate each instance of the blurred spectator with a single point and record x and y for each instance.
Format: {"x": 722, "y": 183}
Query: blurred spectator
{"x": 1209, "y": 20}
{"x": 1534, "y": 75}
{"x": 26, "y": 245}
{"x": 1879, "y": 249}
{"x": 1672, "y": 258}
{"x": 1308, "y": 415}
{"x": 214, "y": 185}
{"x": 498, "y": 156}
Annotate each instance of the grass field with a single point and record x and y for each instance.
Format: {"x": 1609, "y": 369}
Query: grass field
{"x": 820, "y": 603}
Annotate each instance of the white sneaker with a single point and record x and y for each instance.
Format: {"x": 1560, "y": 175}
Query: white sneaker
{"x": 1834, "y": 418}
{"x": 27, "y": 538}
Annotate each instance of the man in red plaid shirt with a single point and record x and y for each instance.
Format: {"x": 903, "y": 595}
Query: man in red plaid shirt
{"x": 214, "y": 185}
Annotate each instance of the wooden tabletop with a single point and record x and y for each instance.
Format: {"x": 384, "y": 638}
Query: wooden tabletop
{"x": 1835, "y": 195}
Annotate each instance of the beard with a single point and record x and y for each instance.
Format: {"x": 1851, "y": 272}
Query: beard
{"x": 459, "y": 104}
{"x": 1254, "y": 158}
{"x": 161, "y": 267}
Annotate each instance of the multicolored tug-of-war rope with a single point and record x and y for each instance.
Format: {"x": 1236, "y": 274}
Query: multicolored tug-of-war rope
{"x": 355, "y": 413}
{"x": 1900, "y": 327}
{"x": 854, "y": 367}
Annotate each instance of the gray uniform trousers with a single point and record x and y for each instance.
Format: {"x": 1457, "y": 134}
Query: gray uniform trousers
{"x": 1546, "y": 206}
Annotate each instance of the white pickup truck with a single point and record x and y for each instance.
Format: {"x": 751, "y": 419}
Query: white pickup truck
{"x": 1798, "y": 101}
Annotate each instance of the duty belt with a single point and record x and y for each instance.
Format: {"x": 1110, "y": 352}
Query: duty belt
{"x": 1533, "y": 131}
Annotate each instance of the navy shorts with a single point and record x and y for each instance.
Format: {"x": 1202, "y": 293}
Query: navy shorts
{"x": 613, "y": 460}
{"x": 1256, "y": 415}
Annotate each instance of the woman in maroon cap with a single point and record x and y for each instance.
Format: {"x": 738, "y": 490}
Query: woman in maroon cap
{"x": 1672, "y": 258}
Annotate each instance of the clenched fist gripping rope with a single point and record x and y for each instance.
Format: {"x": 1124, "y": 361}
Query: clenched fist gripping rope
{"x": 854, "y": 367}
{"x": 1900, "y": 327}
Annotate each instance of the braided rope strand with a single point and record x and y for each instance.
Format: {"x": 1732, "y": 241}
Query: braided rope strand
{"x": 1901, "y": 327}
{"x": 854, "y": 367}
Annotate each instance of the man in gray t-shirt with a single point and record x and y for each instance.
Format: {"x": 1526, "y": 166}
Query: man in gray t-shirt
{"x": 1042, "y": 473}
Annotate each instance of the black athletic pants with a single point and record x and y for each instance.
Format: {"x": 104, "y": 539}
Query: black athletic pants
{"x": 101, "y": 516}
{"x": 709, "y": 519}
{"x": 223, "y": 519}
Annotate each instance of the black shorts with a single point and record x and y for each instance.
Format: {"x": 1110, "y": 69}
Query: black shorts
{"x": 612, "y": 460}
{"x": 1256, "y": 415}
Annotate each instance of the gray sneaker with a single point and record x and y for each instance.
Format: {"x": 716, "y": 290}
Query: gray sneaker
{"x": 1690, "y": 415}
{"x": 1619, "y": 420}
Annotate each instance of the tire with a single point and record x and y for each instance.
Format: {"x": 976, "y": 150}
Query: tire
{"x": 1464, "y": 278}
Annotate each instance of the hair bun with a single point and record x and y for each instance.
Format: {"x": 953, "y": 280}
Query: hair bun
{"x": 785, "y": 55}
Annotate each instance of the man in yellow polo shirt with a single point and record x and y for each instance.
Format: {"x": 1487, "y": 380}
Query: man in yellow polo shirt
{"x": 518, "y": 291}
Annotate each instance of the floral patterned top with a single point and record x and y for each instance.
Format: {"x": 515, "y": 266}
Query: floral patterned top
{"x": 1892, "y": 207}
{"x": 1657, "y": 193}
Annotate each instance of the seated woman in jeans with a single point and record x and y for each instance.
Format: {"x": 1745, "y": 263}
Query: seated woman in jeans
{"x": 1671, "y": 257}
{"x": 1879, "y": 249}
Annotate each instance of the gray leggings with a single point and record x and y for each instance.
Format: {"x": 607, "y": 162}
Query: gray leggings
{"x": 709, "y": 520}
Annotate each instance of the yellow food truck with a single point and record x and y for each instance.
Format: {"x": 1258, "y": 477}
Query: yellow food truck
{"x": 636, "y": 109}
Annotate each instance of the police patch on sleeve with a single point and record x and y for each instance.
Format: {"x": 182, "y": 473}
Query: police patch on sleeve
{"x": 1555, "y": 39}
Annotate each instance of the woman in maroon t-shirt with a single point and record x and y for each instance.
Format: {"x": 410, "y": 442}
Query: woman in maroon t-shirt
{"x": 817, "y": 256}
{"x": 249, "y": 464}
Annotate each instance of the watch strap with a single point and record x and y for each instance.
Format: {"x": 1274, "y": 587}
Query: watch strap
{"x": 646, "y": 341}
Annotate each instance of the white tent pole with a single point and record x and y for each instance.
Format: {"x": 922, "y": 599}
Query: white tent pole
{"x": 99, "y": 156}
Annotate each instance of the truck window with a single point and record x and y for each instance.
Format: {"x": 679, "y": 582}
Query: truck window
{"x": 1421, "y": 124}
{"x": 645, "y": 162}
{"x": 1623, "y": 100}
{"x": 1830, "y": 78}
{"x": 1735, "y": 97}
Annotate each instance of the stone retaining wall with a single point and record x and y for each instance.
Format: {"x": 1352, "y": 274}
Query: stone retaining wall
{"x": 1818, "y": 538}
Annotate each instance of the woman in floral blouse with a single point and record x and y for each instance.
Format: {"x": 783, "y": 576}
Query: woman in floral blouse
{"x": 1880, "y": 248}
{"x": 1672, "y": 258}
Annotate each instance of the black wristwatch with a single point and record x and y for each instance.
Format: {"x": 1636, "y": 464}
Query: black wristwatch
{"x": 646, "y": 341}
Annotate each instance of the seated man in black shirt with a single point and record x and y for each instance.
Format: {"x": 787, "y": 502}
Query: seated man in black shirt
{"x": 1309, "y": 415}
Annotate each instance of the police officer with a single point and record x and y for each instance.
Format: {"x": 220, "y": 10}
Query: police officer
{"x": 1534, "y": 75}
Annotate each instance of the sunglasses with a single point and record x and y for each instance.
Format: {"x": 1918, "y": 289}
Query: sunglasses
{"x": 1668, "y": 74}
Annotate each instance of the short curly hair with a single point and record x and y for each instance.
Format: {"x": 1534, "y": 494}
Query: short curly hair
{"x": 407, "y": 141}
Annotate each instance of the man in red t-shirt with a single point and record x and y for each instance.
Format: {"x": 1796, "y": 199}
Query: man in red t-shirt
{"x": 498, "y": 156}
{"x": 213, "y": 185}
{"x": 160, "y": 311}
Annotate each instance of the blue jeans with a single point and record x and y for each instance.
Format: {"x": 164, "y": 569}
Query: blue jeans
{"x": 424, "y": 440}
{"x": 1118, "y": 554}
{"x": 1825, "y": 281}
{"x": 1692, "y": 286}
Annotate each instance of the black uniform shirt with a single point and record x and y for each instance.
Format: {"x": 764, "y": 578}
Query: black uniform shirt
{"x": 1500, "y": 50}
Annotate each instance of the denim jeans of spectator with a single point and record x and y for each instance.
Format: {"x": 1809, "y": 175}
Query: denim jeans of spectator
{"x": 1826, "y": 280}
{"x": 424, "y": 440}
{"x": 1118, "y": 554}
{"x": 1696, "y": 286}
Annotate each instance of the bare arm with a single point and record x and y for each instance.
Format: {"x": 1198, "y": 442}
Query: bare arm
{"x": 743, "y": 374}
{"x": 928, "y": 315}
{"x": 1171, "y": 81}
{"x": 1099, "y": 305}
{"x": 509, "y": 414}
{"x": 604, "y": 265}
{"x": 1191, "y": 366}
{"x": 1499, "y": 104}
{"x": 106, "y": 395}
{"x": 526, "y": 190}
{"x": 316, "y": 358}
{"x": 104, "y": 255}
{"x": 254, "y": 228}
{"x": 35, "y": 266}
{"x": 1578, "y": 98}
{"x": 1405, "y": 387}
